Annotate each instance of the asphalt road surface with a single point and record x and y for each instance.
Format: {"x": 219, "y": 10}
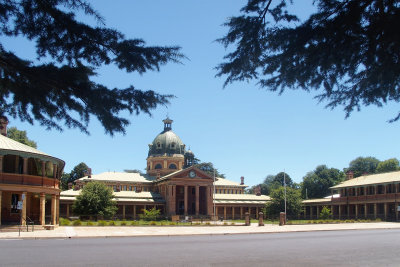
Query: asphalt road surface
{"x": 329, "y": 248}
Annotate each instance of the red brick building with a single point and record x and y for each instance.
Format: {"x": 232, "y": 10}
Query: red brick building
{"x": 29, "y": 178}
{"x": 173, "y": 184}
{"x": 365, "y": 197}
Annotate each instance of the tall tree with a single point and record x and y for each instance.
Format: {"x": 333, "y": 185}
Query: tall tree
{"x": 363, "y": 165}
{"x": 272, "y": 182}
{"x": 277, "y": 203}
{"x": 60, "y": 92}
{"x": 95, "y": 199}
{"x": 20, "y": 136}
{"x": 316, "y": 183}
{"x": 347, "y": 51}
{"x": 388, "y": 165}
{"x": 77, "y": 172}
{"x": 209, "y": 168}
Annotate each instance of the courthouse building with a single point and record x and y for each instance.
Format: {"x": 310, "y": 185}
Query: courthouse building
{"x": 29, "y": 183}
{"x": 365, "y": 197}
{"x": 173, "y": 184}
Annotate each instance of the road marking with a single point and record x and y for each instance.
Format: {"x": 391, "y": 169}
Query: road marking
{"x": 11, "y": 239}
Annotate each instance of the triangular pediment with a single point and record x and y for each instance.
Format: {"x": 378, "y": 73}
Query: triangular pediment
{"x": 188, "y": 173}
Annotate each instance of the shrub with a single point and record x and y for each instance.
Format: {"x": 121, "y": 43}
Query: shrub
{"x": 208, "y": 223}
{"x": 153, "y": 223}
{"x": 111, "y": 223}
{"x": 225, "y": 223}
{"x": 77, "y": 223}
{"x": 90, "y": 223}
{"x": 150, "y": 215}
{"x": 134, "y": 223}
{"x": 325, "y": 213}
{"x": 124, "y": 223}
{"x": 101, "y": 223}
{"x": 64, "y": 222}
{"x": 172, "y": 223}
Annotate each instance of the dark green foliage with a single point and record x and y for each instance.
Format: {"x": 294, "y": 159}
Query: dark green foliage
{"x": 61, "y": 91}
{"x": 77, "y": 172}
{"x": 272, "y": 182}
{"x": 348, "y": 51}
{"x": 363, "y": 165}
{"x": 20, "y": 136}
{"x": 150, "y": 215}
{"x": 95, "y": 199}
{"x": 208, "y": 167}
{"x": 318, "y": 181}
{"x": 277, "y": 203}
{"x": 388, "y": 165}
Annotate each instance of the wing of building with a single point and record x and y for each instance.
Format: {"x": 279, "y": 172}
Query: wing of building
{"x": 365, "y": 197}
{"x": 173, "y": 184}
{"x": 29, "y": 183}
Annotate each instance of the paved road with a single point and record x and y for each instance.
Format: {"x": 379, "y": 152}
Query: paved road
{"x": 331, "y": 248}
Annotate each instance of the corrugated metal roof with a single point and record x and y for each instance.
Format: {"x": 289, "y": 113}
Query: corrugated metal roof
{"x": 225, "y": 182}
{"x": 119, "y": 177}
{"x": 380, "y": 178}
{"x": 242, "y": 197}
{"x": 316, "y": 200}
{"x": 9, "y": 146}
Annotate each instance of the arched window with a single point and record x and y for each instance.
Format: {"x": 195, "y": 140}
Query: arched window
{"x": 158, "y": 166}
{"x": 173, "y": 145}
{"x": 158, "y": 145}
{"x": 172, "y": 166}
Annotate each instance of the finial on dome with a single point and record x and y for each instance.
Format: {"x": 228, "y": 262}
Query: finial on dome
{"x": 167, "y": 124}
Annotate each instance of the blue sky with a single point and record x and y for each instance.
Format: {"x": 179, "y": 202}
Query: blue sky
{"x": 244, "y": 130}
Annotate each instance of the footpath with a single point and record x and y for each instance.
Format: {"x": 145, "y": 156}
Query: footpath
{"x": 64, "y": 232}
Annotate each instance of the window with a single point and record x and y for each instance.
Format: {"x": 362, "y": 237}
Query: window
{"x": 173, "y": 145}
{"x": 172, "y": 166}
{"x": 193, "y": 191}
{"x": 114, "y": 188}
{"x": 14, "y": 203}
{"x": 125, "y": 188}
{"x": 158, "y": 145}
{"x": 158, "y": 166}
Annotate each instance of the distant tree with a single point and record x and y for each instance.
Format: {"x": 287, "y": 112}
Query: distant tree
{"x": 20, "y": 136}
{"x": 277, "y": 203}
{"x": 208, "y": 168}
{"x": 317, "y": 182}
{"x": 134, "y": 171}
{"x": 77, "y": 172}
{"x": 64, "y": 180}
{"x": 95, "y": 199}
{"x": 272, "y": 182}
{"x": 388, "y": 165}
{"x": 347, "y": 51}
{"x": 362, "y": 165}
{"x": 59, "y": 91}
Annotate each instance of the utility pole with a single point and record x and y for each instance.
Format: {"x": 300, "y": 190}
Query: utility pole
{"x": 214, "y": 198}
{"x": 284, "y": 185}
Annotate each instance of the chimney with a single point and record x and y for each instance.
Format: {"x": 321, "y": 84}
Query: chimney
{"x": 118, "y": 187}
{"x": 242, "y": 180}
{"x": 69, "y": 186}
{"x": 257, "y": 190}
{"x": 88, "y": 173}
{"x": 3, "y": 125}
{"x": 349, "y": 175}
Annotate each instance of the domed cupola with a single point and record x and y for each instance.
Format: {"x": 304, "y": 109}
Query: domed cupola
{"x": 167, "y": 143}
{"x": 166, "y": 152}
